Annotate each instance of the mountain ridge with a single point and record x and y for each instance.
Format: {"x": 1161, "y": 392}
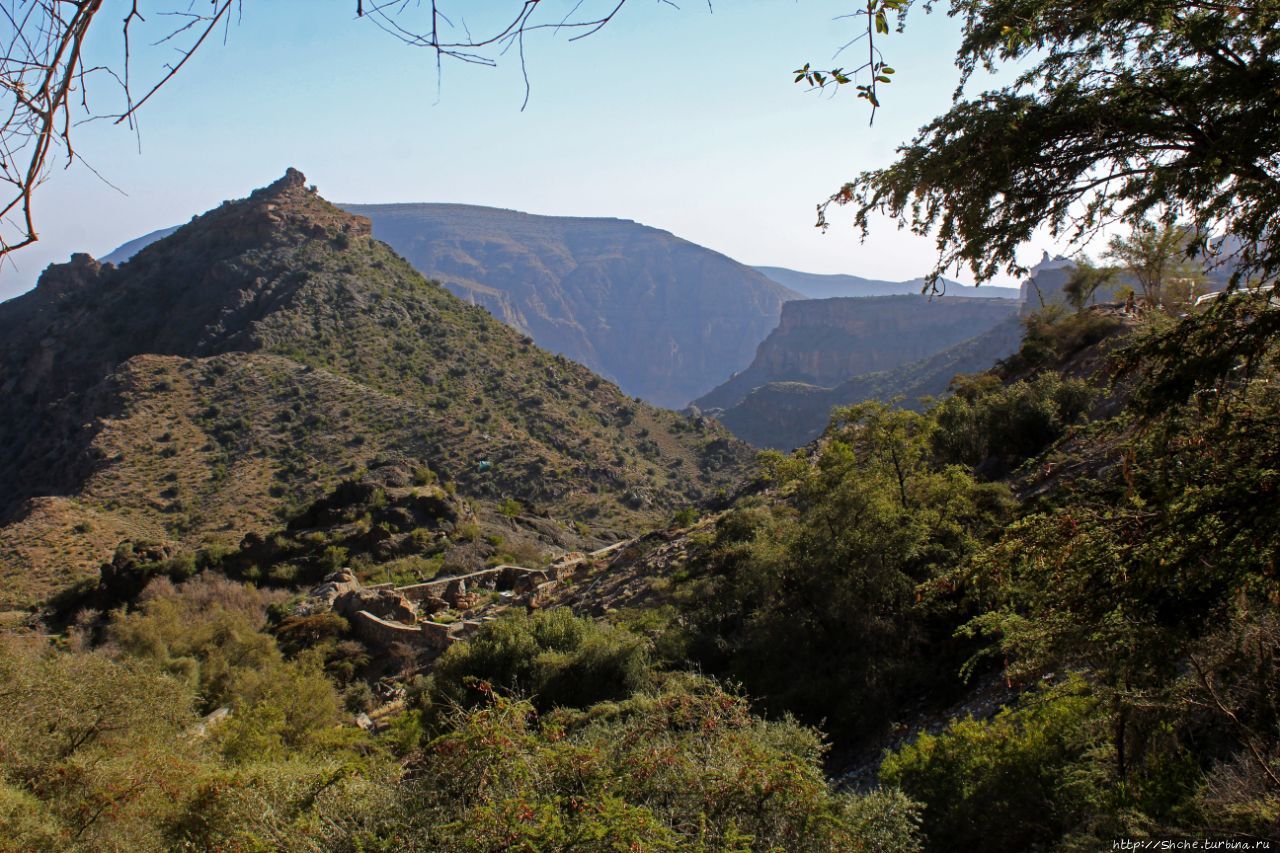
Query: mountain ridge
{"x": 828, "y": 285}
{"x": 270, "y": 348}
{"x": 610, "y": 293}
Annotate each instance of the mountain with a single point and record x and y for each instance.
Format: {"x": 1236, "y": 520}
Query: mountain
{"x": 664, "y": 318}
{"x": 786, "y": 415}
{"x": 820, "y": 286}
{"x": 124, "y": 252}
{"x": 825, "y": 342}
{"x": 239, "y": 368}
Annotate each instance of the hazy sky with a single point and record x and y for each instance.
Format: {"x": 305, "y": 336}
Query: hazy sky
{"x": 682, "y": 119}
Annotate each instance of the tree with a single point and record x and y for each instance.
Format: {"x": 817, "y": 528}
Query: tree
{"x": 45, "y": 82}
{"x": 814, "y": 601}
{"x": 1156, "y": 257}
{"x": 1085, "y": 281}
{"x": 1130, "y": 111}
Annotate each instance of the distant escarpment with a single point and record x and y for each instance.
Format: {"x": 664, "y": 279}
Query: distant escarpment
{"x": 825, "y": 342}
{"x": 785, "y": 415}
{"x": 664, "y": 318}
{"x": 824, "y": 286}
{"x": 244, "y": 365}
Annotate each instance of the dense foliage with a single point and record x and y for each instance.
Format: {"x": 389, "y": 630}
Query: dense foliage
{"x": 1131, "y": 593}
{"x": 104, "y": 748}
{"x": 1148, "y": 574}
{"x": 811, "y": 599}
{"x": 1117, "y": 110}
{"x": 552, "y": 657}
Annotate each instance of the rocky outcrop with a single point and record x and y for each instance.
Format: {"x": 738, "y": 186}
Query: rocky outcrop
{"x": 81, "y": 272}
{"x": 824, "y": 342}
{"x": 1046, "y": 282}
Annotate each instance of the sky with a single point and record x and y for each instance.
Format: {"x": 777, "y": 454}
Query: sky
{"x": 684, "y": 119}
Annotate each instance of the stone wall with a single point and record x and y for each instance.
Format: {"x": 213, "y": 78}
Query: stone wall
{"x": 403, "y": 612}
{"x": 501, "y": 578}
{"x": 384, "y": 632}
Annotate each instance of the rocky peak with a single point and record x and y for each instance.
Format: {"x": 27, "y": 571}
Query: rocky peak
{"x": 293, "y": 181}
{"x": 81, "y": 271}
{"x": 285, "y": 208}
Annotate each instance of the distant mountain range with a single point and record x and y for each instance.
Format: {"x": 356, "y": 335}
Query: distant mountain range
{"x": 670, "y": 321}
{"x": 664, "y": 318}
{"x": 244, "y": 365}
{"x": 820, "y": 286}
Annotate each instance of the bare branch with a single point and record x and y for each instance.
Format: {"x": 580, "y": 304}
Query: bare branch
{"x": 44, "y": 82}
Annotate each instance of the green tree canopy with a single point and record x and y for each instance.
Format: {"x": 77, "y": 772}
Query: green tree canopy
{"x": 1124, "y": 111}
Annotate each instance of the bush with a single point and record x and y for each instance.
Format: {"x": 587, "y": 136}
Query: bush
{"x": 208, "y": 635}
{"x": 552, "y": 657}
{"x": 1002, "y": 784}
{"x": 996, "y": 427}
{"x": 688, "y": 768}
{"x": 684, "y": 517}
{"x": 1053, "y": 335}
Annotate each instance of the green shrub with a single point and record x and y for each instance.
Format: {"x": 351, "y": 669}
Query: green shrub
{"x": 999, "y": 785}
{"x": 686, "y": 768}
{"x": 684, "y": 517}
{"x": 553, "y": 657}
{"x": 988, "y": 424}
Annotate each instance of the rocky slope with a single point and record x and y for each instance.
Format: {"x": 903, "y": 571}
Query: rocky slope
{"x": 825, "y": 342}
{"x": 664, "y": 318}
{"x": 240, "y": 367}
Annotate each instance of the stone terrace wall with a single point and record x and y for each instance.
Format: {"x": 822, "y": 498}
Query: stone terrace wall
{"x": 499, "y": 578}
{"x": 384, "y": 632}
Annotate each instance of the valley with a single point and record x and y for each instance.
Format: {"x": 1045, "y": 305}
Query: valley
{"x": 443, "y": 526}
{"x": 315, "y": 511}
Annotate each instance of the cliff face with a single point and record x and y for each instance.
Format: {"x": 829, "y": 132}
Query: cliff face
{"x": 664, "y": 318}
{"x": 824, "y": 342}
{"x": 786, "y": 415}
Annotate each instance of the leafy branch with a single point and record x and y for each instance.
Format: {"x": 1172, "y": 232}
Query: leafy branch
{"x": 874, "y": 70}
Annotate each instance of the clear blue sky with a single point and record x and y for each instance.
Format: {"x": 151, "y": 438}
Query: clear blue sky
{"x": 682, "y": 119}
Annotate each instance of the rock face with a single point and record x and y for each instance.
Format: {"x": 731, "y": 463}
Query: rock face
{"x": 824, "y": 342}
{"x": 1045, "y": 285}
{"x": 786, "y": 415}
